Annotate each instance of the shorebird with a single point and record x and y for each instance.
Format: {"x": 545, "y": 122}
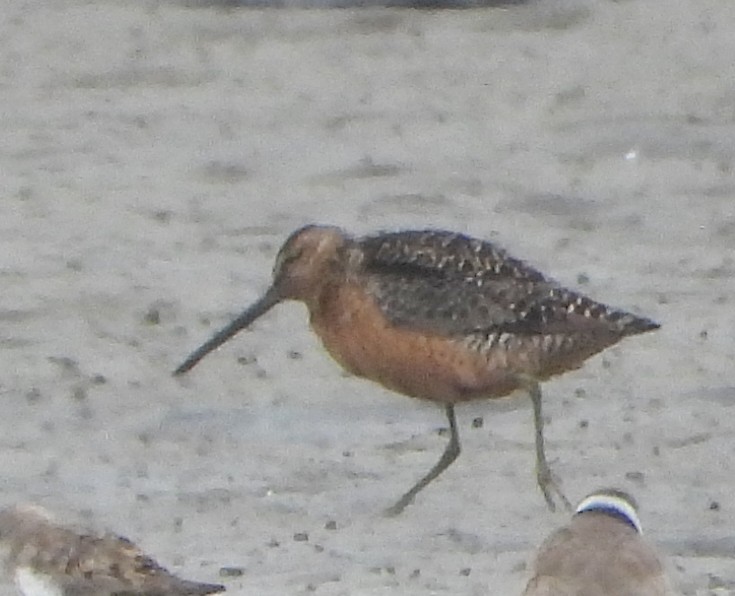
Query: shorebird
{"x": 47, "y": 559}
{"x": 438, "y": 316}
{"x": 601, "y": 552}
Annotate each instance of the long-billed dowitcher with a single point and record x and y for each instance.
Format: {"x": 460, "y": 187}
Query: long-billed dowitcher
{"x": 439, "y": 316}
{"x": 48, "y": 559}
{"x": 599, "y": 553}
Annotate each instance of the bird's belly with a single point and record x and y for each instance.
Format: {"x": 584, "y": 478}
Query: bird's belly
{"x": 34, "y": 583}
{"x": 412, "y": 362}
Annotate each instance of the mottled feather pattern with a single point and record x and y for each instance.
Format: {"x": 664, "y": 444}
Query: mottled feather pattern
{"x": 48, "y": 558}
{"x": 86, "y": 556}
{"x": 439, "y": 316}
{"x": 448, "y": 252}
{"x": 459, "y": 287}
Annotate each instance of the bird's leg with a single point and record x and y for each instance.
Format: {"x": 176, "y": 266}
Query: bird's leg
{"x": 450, "y": 454}
{"x": 545, "y": 479}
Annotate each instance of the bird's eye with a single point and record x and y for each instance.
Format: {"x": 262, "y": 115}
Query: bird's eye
{"x": 286, "y": 258}
{"x": 293, "y": 256}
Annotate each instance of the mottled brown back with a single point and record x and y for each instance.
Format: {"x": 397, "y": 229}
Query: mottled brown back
{"x": 88, "y": 565}
{"x": 459, "y": 286}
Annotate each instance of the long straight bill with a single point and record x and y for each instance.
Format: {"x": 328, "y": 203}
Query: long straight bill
{"x": 262, "y": 306}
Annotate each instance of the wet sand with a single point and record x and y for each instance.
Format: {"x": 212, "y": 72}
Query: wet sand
{"x": 155, "y": 155}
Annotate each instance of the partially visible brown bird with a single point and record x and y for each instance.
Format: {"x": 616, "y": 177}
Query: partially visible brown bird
{"x": 601, "y": 552}
{"x": 439, "y": 316}
{"x": 47, "y": 559}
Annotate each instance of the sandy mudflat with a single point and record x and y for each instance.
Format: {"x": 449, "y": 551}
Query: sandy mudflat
{"x": 153, "y": 157}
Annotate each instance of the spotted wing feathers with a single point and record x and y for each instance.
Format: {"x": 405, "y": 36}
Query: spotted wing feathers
{"x": 87, "y": 565}
{"x": 456, "y": 285}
